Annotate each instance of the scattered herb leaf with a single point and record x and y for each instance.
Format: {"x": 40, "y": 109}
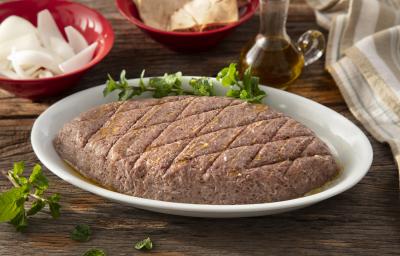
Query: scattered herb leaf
{"x": 81, "y": 233}
{"x": 36, "y": 207}
{"x": 12, "y": 201}
{"x": 20, "y": 222}
{"x": 54, "y": 205}
{"x": 171, "y": 84}
{"x": 38, "y": 179}
{"x": 95, "y": 252}
{"x": 144, "y": 244}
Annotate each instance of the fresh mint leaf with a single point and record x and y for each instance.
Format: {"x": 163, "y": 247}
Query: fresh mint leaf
{"x": 54, "y": 205}
{"x": 10, "y": 203}
{"x": 141, "y": 81}
{"x": 36, "y": 207}
{"x": 110, "y": 86}
{"x": 228, "y": 76}
{"x": 251, "y": 86}
{"x": 243, "y": 95}
{"x": 173, "y": 79}
{"x": 126, "y": 92}
{"x": 55, "y": 210}
{"x": 202, "y": 86}
{"x": 20, "y": 221}
{"x": 247, "y": 89}
{"x": 38, "y": 179}
{"x": 17, "y": 171}
{"x": 144, "y": 244}
{"x": 123, "y": 82}
{"x": 171, "y": 84}
{"x": 81, "y": 233}
{"x": 256, "y": 99}
{"x": 95, "y": 252}
{"x": 233, "y": 93}
{"x": 18, "y": 168}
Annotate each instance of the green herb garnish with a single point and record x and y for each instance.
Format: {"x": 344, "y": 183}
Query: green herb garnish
{"x": 144, "y": 244}
{"x": 81, "y": 233}
{"x": 95, "y": 252}
{"x": 202, "y": 86}
{"x": 246, "y": 89}
{"x": 12, "y": 202}
{"x": 171, "y": 84}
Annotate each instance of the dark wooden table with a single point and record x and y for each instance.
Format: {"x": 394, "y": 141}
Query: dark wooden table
{"x": 364, "y": 220}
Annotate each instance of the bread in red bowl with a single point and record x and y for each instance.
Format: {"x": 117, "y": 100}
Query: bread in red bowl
{"x": 186, "y": 41}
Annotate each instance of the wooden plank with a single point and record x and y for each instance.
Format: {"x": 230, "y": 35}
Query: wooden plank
{"x": 362, "y": 221}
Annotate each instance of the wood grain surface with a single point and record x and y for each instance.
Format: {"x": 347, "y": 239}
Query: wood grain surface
{"x": 362, "y": 221}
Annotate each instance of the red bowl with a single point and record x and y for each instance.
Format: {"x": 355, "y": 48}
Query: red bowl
{"x": 90, "y": 23}
{"x": 185, "y": 41}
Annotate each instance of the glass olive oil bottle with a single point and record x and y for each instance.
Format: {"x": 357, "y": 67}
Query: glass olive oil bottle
{"x": 272, "y": 55}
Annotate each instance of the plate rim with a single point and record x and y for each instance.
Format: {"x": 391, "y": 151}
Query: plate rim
{"x": 199, "y": 208}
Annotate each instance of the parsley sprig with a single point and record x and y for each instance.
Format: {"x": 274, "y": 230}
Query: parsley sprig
{"x": 12, "y": 202}
{"x": 246, "y": 88}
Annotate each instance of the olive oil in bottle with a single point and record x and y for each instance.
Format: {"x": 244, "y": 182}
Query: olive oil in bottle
{"x": 273, "y": 57}
{"x": 276, "y": 62}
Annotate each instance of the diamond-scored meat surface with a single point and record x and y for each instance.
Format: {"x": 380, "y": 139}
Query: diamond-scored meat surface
{"x": 210, "y": 150}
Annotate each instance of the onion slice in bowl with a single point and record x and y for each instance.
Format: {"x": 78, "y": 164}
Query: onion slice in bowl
{"x": 14, "y": 27}
{"x": 61, "y": 48}
{"x": 79, "y": 60}
{"x": 26, "y": 42}
{"x": 76, "y": 39}
{"x": 31, "y": 57}
{"x": 5, "y": 70}
{"x": 29, "y": 52}
{"x": 48, "y": 28}
{"x": 43, "y": 74}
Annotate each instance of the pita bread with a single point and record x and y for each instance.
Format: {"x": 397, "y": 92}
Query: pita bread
{"x": 157, "y": 13}
{"x": 178, "y": 15}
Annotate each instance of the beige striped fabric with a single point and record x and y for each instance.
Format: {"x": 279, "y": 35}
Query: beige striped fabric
{"x": 363, "y": 57}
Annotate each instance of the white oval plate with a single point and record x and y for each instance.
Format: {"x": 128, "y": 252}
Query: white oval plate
{"x": 347, "y": 142}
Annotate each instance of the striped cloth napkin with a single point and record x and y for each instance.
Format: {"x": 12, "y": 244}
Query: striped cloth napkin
{"x": 363, "y": 57}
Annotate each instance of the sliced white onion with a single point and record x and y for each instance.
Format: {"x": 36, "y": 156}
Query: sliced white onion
{"x": 29, "y": 58}
{"x": 19, "y": 70}
{"x": 25, "y": 42}
{"x": 27, "y": 52}
{"x": 5, "y": 70}
{"x": 14, "y": 27}
{"x": 9, "y": 74}
{"x": 79, "y": 60}
{"x": 75, "y": 39}
{"x": 47, "y": 28}
{"x": 43, "y": 73}
{"x": 4, "y": 64}
{"x": 31, "y": 71}
{"x": 61, "y": 48}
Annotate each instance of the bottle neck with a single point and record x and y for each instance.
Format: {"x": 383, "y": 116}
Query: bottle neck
{"x": 273, "y": 15}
